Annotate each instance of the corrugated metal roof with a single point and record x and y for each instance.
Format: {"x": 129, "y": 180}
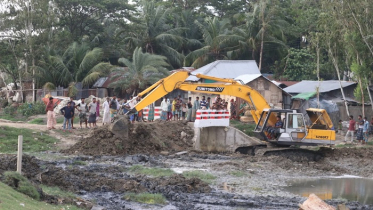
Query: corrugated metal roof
{"x": 228, "y": 69}
{"x": 286, "y": 83}
{"x": 306, "y": 86}
{"x": 100, "y": 82}
{"x": 246, "y": 78}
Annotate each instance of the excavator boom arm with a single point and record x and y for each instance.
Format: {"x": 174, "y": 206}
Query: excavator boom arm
{"x": 231, "y": 88}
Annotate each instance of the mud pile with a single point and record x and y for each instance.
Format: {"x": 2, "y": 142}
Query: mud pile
{"x": 143, "y": 138}
{"x": 30, "y": 165}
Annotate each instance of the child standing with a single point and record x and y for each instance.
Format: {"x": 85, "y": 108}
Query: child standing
{"x": 183, "y": 111}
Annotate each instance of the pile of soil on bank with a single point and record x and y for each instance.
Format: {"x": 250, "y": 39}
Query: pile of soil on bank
{"x": 143, "y": 138}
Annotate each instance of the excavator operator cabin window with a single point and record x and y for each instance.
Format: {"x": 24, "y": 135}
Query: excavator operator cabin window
{"x": 295, "y": 121}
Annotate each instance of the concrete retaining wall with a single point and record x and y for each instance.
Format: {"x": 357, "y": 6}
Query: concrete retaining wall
{"x": 222, "y": 139}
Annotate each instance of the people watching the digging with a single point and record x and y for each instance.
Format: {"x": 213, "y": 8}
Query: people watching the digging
{"x": 203, "y": 103}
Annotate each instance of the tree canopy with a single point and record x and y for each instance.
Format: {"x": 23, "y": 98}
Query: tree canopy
{"x": 67, "y": 41}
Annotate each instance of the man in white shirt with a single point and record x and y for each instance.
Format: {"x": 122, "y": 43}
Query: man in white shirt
{"x": 92, "y": 112}
{"x": 106, "y": 118}
{"x": 118, "y": 104}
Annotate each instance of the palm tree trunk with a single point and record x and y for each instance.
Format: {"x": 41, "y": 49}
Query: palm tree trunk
{"x": 261, "y": 51}
{"x": 370, "y": 96}
{"x": 362, "y": 96}
{"x": 318, "y": 73}
{"x": 335, "y": 63}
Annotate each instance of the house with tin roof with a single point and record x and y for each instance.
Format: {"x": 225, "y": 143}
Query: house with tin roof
{"x": 246, "y": 72}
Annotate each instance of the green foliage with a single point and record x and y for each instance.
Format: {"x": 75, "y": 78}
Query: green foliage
{"x": 238, "y": 173}
{"x": 21, "y": 184}
{"x": 204, "y": 176}
{"x": 148, "y": 198}
{"x": 300, "y": 65}
{"x": 79, "y": 41}
{"x": 10, "y": 110}
{"x": 32, "y": 141}
{"x": 154, "y": 172}
{"x": 217, "y": 42}
{"x": 79, "y": 162}
{"x": 144, "y": 70}
{"x": 37, "y": 121}
{"x": 157, "y": 34}
{"x": 10, "y": 199}
{"x": 358, "y": 95}
{"x": 247, "y": 128}
{"x": 56, "y": 191}
{"x": 29, "y": 109}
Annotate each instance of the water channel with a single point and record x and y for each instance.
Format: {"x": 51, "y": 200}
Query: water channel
{"x": 345, "y": 187}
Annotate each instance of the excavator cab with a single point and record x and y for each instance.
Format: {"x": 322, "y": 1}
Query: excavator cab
{"x": 281, "y": 126}
{"x": 294, "y": 130}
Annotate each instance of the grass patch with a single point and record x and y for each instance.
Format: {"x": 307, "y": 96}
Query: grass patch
{"x": 13, "y": 118}
{"x": 247, "y": 128}
{"x": 56, "y": 191}
{"x": 154, "y": 172}
{"x": 238, "y": 173}
{"x": 257, "y": 189}
{"x": 204, "y": 176}
{"x": 21, "y": 184}
{"x": 32, "y": 141}
{"x": 79, "y": 162}
{"x": 38, "y": 121}
{"x": 344, "y": 145}
{"x": 11, "y": 199}
{"x": 148, "y": 198}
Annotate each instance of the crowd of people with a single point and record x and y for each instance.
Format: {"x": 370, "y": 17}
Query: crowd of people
{"x": 177, "y": 110}
{"x": 170, "y": 110}
{"x": 362, "y": 127}
{"x": 88, "y": 113}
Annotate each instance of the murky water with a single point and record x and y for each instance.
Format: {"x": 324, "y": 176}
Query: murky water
{"x": 350, "y": 188}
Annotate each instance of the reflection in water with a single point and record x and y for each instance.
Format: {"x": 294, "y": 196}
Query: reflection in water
{"x": 352, "y": 189}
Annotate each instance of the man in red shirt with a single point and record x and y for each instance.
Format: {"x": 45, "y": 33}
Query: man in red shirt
{"x": 351, "y": 129}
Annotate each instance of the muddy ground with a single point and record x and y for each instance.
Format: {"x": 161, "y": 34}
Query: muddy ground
{"x": 97, "y": 167}
{"x": 105, "y": 179}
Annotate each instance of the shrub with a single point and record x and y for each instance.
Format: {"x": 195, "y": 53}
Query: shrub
{"x": 202, "y": 175}
{"x": 3, "y": 103}
{"x": 10, "y": 110}
{"x": 155, "y": 172}
{"x": 28, "y": 109}
{"x": 21, "y": 184}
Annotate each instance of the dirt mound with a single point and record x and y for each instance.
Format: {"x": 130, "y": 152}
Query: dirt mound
{"x": 143, "y": 138}
{"x": 30, "y": 165}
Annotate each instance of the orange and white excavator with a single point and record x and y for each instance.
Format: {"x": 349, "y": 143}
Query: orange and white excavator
{"x": 293, "y": 129}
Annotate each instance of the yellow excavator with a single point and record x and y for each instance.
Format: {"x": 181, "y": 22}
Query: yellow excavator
{"x": 278, "y": 126}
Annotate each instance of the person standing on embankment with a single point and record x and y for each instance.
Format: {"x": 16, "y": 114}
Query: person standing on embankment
{"x": 351, "y": 129}
{"x": 51, "y": 116}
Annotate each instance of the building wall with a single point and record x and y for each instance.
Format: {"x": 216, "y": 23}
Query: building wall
{"x": 271, "y": 92}
{"x": 354, "y": 111}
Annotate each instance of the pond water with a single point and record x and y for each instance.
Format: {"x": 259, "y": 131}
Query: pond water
{"x": 345, "y": 187}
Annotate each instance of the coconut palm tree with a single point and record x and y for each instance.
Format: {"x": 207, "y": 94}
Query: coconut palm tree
{"x": 157, "y": 35}
{"x": 217, "y": 41}
{"x": 77, "y": 64}
{"x": 143, "y": 70}
{"x": 271, "y": 23}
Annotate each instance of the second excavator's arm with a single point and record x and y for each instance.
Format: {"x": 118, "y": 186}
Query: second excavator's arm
{"x": 223, "y": 87}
